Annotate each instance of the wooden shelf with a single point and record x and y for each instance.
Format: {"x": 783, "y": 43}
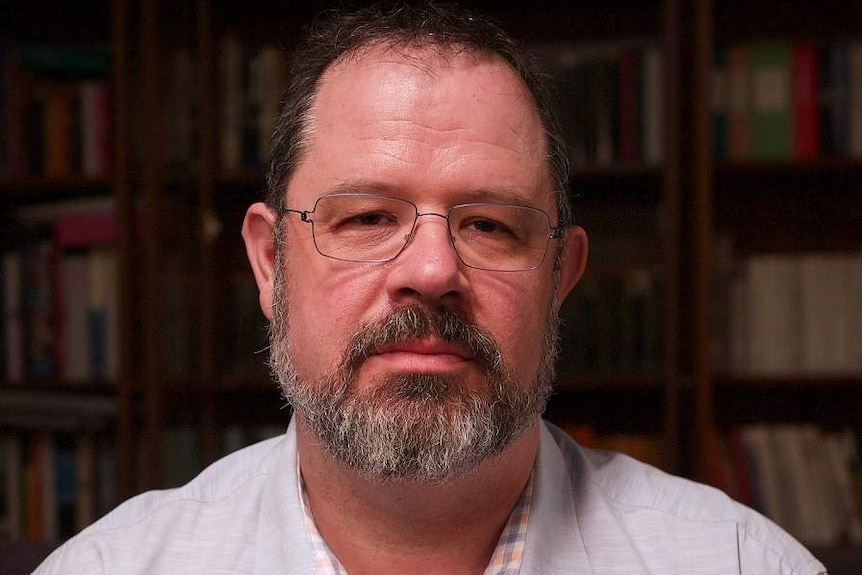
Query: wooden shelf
{"x": 55, "y": 409}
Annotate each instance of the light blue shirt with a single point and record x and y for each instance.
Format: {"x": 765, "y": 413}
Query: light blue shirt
{"x": 593, "y": 513}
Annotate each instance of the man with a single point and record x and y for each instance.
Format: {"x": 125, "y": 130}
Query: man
{"x": 412, "y": 255}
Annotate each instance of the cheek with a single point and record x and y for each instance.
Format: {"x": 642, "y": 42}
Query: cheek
{"x": 517, "y": 319}
{"x": 327, "y": 303}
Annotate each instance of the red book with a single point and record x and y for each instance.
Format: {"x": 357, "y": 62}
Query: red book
{"x": 85, "y": 230}
{"x": 805, "y": 119}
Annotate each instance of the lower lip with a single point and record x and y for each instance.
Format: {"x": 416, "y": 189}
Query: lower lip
{"x": 406, "y": 361}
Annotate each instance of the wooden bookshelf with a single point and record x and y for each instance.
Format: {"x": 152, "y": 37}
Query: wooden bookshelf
{"x": 191, "y": 331}
{"x": 79, "y": 419}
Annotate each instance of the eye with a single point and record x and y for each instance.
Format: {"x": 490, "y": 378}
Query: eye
{"x": 488, "y": 226}
{"x": 372, "y": 218}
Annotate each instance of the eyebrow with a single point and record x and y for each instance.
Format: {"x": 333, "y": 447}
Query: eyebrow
{"x": 500, "y": 194}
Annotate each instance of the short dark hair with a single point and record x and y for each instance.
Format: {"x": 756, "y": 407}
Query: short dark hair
{"x": 336, "y": 34}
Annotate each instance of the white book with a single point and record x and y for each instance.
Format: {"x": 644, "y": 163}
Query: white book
{"x": 232, "y": 97}
{"x": 74, "y": 282}
{"x": 800, "y": 449}
{"x": 854, "y": 313}
{"x": 855, "y": 98}
{"x": 773, "y": 297}
{"x": 763, "y": 458}
{"x": 739, "y": 324}
{"x": 824, "y": 307}
{"x": 654, "y": 102}
{"x": 838, "y": 452}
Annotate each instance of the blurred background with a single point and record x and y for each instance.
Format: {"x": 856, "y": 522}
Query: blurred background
{"x": 717, "y": 153}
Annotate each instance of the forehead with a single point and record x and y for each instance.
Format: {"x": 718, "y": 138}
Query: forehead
{"x": 400, "y": 116}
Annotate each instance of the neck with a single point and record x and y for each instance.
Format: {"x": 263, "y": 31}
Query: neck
{"x": 412, "y": 526}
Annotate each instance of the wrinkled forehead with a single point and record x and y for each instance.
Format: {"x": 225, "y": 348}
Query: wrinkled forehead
{"x": 423, "y": 104}
{"x": 427, "y": 56}
{"x": 429, "y": 61}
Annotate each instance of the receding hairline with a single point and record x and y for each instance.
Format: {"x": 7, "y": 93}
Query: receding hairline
{"x": 415, "y": 51}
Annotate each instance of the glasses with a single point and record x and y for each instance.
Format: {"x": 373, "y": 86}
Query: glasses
{"x": 357, "y": 227}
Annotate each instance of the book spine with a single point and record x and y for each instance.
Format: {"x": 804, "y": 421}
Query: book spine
{"x": 806, "y": 125}
{"x": 770, "y": 122}
{"x": 739, "y": 105}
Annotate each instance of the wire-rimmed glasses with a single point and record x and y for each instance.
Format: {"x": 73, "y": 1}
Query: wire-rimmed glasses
{"x": 358, "y": 227}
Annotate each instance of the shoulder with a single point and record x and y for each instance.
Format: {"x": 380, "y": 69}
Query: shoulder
{"x": 223, "y": 497}
{"x": 614, "y": 491}
{"x": 219, "y": 483}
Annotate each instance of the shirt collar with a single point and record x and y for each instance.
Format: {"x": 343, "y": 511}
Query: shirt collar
{"x": 506, "y": 559}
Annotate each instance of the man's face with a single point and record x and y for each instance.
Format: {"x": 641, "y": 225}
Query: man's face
{"x": 437, "y": 132}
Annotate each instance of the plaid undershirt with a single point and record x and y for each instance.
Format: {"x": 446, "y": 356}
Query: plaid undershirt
{"x": 506, "y": 559}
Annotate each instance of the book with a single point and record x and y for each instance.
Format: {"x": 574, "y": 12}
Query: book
{"x": 855, "y": 98}
{"x": 68, "y": 293}
{"x": 806, "y": 107}
{"x": 231, "y": 89}
{"x": 13, "y": 320}
{"x": 74, "y": 288}
{"x": 834, "y": 99}
{"x": 95, "y": 128}
{"x": 719, "y": 102}
{"x": 739, "y": 105}
{"x": 653, "y": 106}
{"x": 628, "y": 94}
{"x": 773, "y": 314}
{"x": 13, "y": 483}
{"x": 770, "y": 110}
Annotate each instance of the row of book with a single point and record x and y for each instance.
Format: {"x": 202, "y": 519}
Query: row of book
{"x": 782, "y": 100}
{"x": 54, "y": 483}
{"x": 612, "y": 324}
{"x": 183, "y": 455}
{"x": 646, "y": 447}
{"x": 790, "y": 314}
{"x": 613, "y": 102}
{"x": 806, "y": 479}
{"x": 59, "y": 294}
{"x": 55, "y": 111}
{"x": 252, "y": 80}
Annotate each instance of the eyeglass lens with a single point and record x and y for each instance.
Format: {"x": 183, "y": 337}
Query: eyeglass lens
{"x": 369, "y": 228}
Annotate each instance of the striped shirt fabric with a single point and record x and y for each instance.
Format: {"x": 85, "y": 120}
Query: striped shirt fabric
{"x": 506, "y": 559}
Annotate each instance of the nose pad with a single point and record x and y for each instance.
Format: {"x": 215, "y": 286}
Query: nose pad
{"x": 449, "y": 236}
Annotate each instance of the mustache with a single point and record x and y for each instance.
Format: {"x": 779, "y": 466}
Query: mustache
{"x": 414, "y": 321}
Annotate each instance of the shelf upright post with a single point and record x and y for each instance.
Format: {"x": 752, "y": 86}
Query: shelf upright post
{"x": 670, "y": 226}
{"x": 208, "y": 231}
{"x": 125, "y": 441}
{"x": 702, "y": 231}
{"x": 153, "y": 317}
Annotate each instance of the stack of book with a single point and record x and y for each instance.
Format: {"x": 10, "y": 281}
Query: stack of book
{"x": 787, "y": 101}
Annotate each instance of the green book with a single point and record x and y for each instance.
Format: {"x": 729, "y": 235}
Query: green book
{"x": 771, "y": 107}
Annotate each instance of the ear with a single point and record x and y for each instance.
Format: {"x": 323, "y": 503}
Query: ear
{"x": 572, "y": 262}
{"x": 257, "y": 231}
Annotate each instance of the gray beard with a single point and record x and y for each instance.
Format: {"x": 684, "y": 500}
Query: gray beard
{"x": 412, "y": 426}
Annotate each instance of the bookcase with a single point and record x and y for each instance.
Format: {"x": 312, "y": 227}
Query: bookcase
{"x": 774, "y": 262}
{"x": 65, "y": 205}
{"x": 679, "y": 346}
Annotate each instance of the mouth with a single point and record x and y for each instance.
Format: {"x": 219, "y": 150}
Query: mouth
{"x": 423, "y": 356}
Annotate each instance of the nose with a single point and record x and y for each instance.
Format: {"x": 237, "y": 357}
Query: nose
{"x": 428, "y": 269}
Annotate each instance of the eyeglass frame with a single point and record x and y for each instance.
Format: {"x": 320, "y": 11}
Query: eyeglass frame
{"x": 556, "y": 232}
